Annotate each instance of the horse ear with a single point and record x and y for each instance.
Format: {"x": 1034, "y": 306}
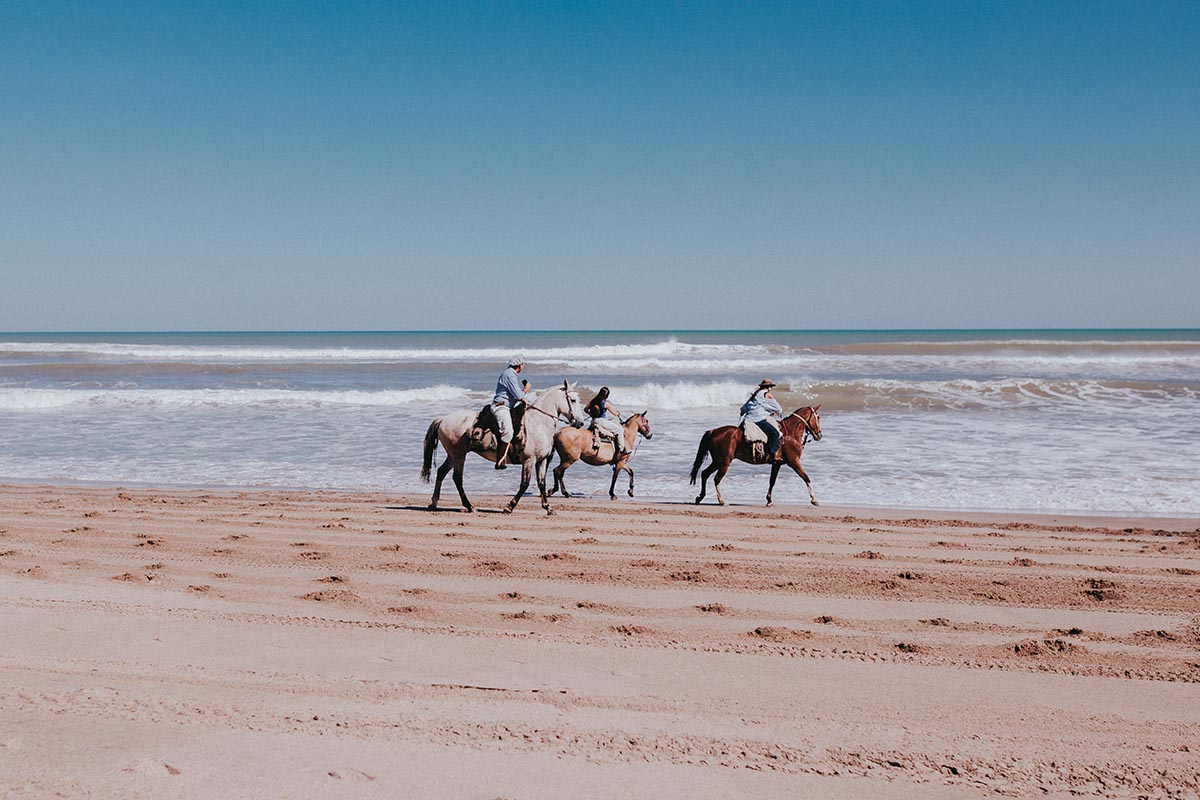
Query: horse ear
{"x": 644, "y": 413}
{"x": 566, "y": 386}
{"x": 817, "y": 407}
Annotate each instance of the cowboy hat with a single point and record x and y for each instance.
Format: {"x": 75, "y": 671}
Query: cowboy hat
{"x": 766, "y": 383}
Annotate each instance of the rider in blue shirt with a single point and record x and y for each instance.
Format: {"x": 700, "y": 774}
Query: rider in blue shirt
{"x": 760, "y": 409}
{"x": 510, "y": 390}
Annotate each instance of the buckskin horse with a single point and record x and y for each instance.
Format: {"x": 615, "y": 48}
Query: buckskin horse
{"x": 726, "y": 443}
{"x": 541, "y": 417}
{"x": 575, "y": 444}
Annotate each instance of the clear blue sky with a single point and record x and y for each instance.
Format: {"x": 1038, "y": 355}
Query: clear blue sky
{"x": 189, "y": 166}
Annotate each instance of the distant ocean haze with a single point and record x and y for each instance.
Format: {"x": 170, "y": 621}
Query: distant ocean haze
{"x": 1084, "y": 421}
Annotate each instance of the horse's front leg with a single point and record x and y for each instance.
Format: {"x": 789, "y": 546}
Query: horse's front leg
{"x": 807, "y": 483}
{"x": 630, "y": 471}
{"x": 542, "y": 465}
{"x": 526, "y": 475}
{"x": 458, "y": 484}
{"x": 771, "y": 486}
{"x": 612, "y": 494}
{"x": 559, "y": 484}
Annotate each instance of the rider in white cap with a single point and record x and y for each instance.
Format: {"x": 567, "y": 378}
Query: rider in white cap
{"x": 509, "y": 390}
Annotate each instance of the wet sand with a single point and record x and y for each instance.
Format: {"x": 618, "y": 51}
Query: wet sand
{"x": 169, "y": 643}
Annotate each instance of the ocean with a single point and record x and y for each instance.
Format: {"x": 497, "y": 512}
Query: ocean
{"x": 1099, "y": 421}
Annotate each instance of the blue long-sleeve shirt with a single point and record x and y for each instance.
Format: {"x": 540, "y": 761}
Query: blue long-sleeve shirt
{"x": 508, "y": 388}
{"x": 761, "y": 407}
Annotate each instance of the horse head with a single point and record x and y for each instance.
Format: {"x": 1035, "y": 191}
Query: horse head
{"x": 813, "y": 421}
{"x": 572, "y": 407}
{"x": 643, "y": 425}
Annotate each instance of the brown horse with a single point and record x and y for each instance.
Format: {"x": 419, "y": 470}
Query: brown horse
{"x": 725, "y": 444}
{"x": 575, "y": 444}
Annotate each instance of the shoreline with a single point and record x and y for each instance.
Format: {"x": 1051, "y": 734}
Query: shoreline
{"x": 267, "y": 642}
{"x": 449, "y": 502}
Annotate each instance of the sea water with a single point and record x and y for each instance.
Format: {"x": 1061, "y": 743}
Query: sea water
{"x": 1065, "y": 421}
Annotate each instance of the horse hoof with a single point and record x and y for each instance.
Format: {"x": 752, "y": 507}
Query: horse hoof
{"x": 469, "y": 509}
{"x": 769, "y": 504}
{"x": 506, "y": 510}
{"x": 431, "y": 507}
{"x": 815, "y": 503}
{"x": 698, "y": 499}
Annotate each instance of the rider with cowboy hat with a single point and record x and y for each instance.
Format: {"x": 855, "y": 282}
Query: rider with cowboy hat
{"x": 510, "y": 390}
{"x": 760, "y": 409}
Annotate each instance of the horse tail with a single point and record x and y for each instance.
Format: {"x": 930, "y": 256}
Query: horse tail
{"x": 431, "y": 441}
{"x": 701, "y": 451}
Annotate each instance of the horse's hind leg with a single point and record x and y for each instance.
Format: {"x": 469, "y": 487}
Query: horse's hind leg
{"x": 771, "y": 486}
{"x": 704, "y": 481}
{"x": 717, "y": 485}
{"x": 437, "y": 486}
{"x": 630, "y": 471}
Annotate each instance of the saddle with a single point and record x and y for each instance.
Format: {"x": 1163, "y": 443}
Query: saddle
{"x": 485, "y": 432}
{"x": 753, "y": 446}
{"x": 600, "y": 435}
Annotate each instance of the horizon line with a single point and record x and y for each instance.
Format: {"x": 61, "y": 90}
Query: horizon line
{"x": 588, "y": 330}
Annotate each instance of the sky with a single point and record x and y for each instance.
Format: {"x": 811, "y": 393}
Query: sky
{"x": 503, "y": 166}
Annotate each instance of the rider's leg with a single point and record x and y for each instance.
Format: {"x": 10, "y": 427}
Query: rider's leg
{"x": 773, "y": 437}
{"x": 504, "y": 420}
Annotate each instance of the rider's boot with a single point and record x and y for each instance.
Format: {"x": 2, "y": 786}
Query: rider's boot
{"x": 502, "y": 458}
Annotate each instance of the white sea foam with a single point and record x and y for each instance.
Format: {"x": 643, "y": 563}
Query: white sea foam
{"x": 255, "y": 353}
{"x": 882, "y": 395}
{"x": 48, "y": 399}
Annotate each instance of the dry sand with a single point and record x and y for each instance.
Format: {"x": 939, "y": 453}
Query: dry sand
{"x": 168, "y": 643}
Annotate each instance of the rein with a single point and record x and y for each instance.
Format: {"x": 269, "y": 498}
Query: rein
{"x": 807, "y": 427}
{"x": 554, "y": 417}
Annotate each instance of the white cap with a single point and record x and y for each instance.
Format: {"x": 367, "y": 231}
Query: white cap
{"x": 516, "y": 360}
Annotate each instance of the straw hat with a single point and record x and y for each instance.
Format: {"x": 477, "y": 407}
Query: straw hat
{"x": 767, "y": 383}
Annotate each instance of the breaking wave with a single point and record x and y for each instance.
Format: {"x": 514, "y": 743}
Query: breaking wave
{"x": 46, "y": 399}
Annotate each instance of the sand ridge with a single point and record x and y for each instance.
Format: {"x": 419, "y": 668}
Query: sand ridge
{"x": 626, "y": 647}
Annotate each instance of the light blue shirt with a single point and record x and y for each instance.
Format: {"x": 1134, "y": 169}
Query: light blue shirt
{"x": 761, "y": 407}
{"x": 508, "y": 388}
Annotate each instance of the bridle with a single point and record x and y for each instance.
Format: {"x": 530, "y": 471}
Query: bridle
{"x": 558, "y": 415}
{"x": 808, "y": 431}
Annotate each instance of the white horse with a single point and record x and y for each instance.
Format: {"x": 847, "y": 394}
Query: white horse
{"x": 541, "y": 418}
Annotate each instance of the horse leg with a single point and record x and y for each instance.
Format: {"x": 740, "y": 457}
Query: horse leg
{"x": 458, "y": 484}
{"x": 542, "y": 464}
{"x": 612, "y": 495}
{"x": 807, "y": 483}
{"x": 630, "y": 471}
{"x": 526, "y": 474}
{"x": 709, "y": 470}
{"x": 559, "y": 484}
{"x": 771, "y": 486}
{"x": 437, "y": 485}
{"x": 717, "y": 485}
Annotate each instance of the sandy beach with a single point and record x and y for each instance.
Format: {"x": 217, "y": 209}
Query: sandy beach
{"x": 187, "y": 643}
